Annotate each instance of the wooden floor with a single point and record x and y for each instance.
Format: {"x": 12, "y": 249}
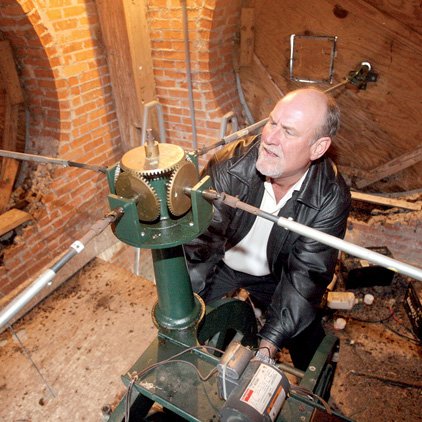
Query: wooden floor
{"x": 90, "y": 331}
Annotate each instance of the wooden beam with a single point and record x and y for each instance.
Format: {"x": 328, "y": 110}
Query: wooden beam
{"x": 9, "y": 75}
{"x": 247, "y": 21}
{"x": 394, "y": 166}
{"x": 126, "y": 37}
{"x": 12, "y": 219}
{"x": 389, "y": 202}
{"x": 8, "y": 166}
{"x": 9, "y": 170}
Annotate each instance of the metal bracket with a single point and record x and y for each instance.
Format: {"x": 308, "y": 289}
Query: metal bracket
{"x": 362, "y": 75}
{"x": 332, "y": 39}
{"x": 159, "y": 108}
{"x": 228, "y": 117}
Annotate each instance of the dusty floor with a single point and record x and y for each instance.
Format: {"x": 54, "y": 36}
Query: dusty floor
{"x": 90, "y": 331}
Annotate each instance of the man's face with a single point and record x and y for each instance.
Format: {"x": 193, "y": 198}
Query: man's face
{"x": 286, "y": 150}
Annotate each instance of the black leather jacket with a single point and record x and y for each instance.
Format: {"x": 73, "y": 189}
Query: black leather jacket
{"x": 304, "y": 266}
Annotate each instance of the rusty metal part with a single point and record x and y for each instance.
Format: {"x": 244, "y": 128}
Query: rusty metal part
{"x": 135, "y": 187}
{"x": 138, "y": 163}
{"x": 186, "y": 175}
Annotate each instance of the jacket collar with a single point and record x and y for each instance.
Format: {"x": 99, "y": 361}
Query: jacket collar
{"x": 321, "y": 173}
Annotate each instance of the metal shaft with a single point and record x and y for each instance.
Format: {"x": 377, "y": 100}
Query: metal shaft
{"x": 49, "y": 160}
{"x": 45, "y": 279}
{"x": 234, "y": 136}
{"x": 326, "y": 239}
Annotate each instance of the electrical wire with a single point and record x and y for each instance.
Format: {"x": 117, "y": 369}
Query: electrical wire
{"x": 383, "y": 321}
{"x": 136, "y": 376}
{"x": 312, "y": 396}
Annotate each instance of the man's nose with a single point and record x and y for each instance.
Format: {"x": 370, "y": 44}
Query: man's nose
{"x": 273, "y": 135}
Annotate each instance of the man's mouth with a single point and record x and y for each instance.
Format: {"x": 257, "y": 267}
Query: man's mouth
{"x": 269, "y": 152}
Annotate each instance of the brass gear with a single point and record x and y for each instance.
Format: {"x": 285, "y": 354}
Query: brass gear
{"x": 136, "y": 161}
{"x": 147, "y": 202}
{"x": 186, "y": 175}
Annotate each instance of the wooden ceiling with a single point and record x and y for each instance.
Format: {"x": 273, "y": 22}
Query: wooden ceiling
{"x": 379, "y": 146}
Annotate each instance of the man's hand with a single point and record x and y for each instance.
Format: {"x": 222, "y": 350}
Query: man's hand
{"x": 268, "y": 347}
{"x": 266, "y": 352}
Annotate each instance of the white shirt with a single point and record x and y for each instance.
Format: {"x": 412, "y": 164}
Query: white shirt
{"x": 250, "y": 254}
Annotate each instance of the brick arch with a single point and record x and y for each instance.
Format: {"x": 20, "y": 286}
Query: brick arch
{"x": 65, "y": 78}
{"x": 31, "y": 43}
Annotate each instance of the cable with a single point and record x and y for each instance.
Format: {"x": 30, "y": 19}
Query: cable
{"x": 411, "y": 339}
{"x": 136, "y": 376}
{"x": 309, "y": 394}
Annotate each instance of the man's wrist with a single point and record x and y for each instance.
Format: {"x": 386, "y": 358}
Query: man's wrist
{"x": 263, "y": 354}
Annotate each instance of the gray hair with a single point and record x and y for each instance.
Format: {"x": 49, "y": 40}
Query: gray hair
{"x": 332, "y": 121}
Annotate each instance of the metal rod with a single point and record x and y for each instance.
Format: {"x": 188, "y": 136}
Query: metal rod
{"x": 45, "y": 279}
{"x": 28, "y": 355}
{"x": 189, "y": 72}
{"x": 49, "y": 160}
{"x": 145, "y": 121}
{"x": 327, "y": 239}
{"x": 337, "y": 86}
{"x": 290, "y": 370}
{"x": 233, "y": 136}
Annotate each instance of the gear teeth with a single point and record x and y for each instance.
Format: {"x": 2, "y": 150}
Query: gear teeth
{"x": 157, "y": 198}
{"x": 169, "y": 185}
{"x": 155, "y": 172}
{"x": 184, "y": 175}
{"x": 131, "y": 186}
{"x": 117, "y": 172}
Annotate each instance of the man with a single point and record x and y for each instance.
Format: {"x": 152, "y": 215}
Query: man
{"x": 284, "y": 172}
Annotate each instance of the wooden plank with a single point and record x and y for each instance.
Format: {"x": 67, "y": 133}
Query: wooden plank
{"x": 140, "y": 48}
{"x": 123, "y": 25}
{"x": 10, "y": 130}
{"x": 390, "y": 168}
{"x": 389, "y": 202}
{"x": 9, "y": 170}
{"x": 12, "y": 219}
{"x": 247, "y": 21}
{"x": 8, "y": 167}
{"x": 9, "y": 75}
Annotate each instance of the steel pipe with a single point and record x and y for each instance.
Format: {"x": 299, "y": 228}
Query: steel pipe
{"x": 326, "y": 239}
{"x": 46, "y": 278}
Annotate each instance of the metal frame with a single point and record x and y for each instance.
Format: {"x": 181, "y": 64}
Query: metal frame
{"x": 333, "y": 39}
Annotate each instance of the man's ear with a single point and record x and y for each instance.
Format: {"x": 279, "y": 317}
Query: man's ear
{"x": 319, "y": 147}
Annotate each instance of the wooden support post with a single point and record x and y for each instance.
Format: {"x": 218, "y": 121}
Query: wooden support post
{"x": 247, "y": 21}
{"x": 9, "y": 75}
{"x": 126, "y": 36}
{"x": 14, "y": 97}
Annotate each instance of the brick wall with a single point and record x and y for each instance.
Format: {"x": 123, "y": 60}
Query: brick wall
{"x": 64, "y": 74}
{"x": 212, "y": 29}
{"x": 402, "y": 235}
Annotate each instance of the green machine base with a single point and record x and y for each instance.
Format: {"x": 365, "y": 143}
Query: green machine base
{"x": 177, "y": 386}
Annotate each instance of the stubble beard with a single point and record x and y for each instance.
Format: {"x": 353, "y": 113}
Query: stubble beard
{"x": 269, "y": 167}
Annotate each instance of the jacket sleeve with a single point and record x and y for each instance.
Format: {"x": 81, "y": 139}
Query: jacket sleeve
{"x": 204, "y": 252}
{"x": 306, "y": 272}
